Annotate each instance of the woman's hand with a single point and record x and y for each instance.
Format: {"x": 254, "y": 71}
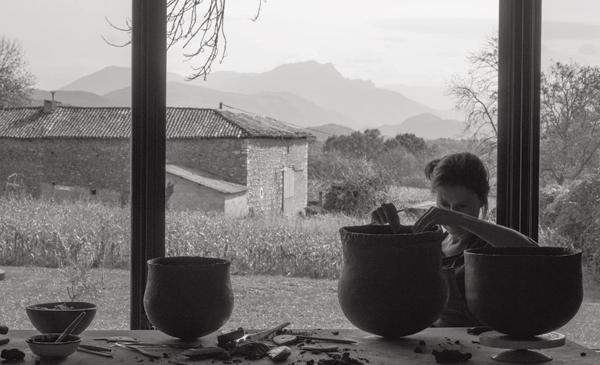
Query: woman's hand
{"x": 387, "y": 214}
{"x": 438, "y": 216}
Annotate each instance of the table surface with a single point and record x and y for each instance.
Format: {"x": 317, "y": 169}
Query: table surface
{"x": 368, "y": 350}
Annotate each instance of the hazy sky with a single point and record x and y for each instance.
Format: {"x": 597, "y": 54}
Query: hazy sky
{"x": 387, "y": 41}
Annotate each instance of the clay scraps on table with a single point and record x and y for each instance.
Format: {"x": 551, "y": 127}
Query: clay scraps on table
{"x": 450, "y": 356}
{"x": 343, "y": 359}
{"x": 12, "y": 354}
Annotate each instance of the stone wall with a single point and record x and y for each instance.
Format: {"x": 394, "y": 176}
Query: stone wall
{"x": 96, "y": 164}
{"x": 103, "y": 165}
{"x": 225, "y": 158}
{"x": 266, "y": 160}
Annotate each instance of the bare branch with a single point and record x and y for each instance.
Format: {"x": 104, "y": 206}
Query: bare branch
{"x": 199, "y": 24}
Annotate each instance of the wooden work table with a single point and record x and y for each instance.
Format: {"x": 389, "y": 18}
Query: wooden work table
{"x": 369, "y": 349}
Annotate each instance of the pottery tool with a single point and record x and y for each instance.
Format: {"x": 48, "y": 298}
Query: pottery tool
{"x": 290, "y": 339}
{"x": 279, "y": 353}
{"x": 320, "y": 348}
{"x": 138, "y": 350}
{"x": 233, "y": 336}
{"x": 117, "y": 339}
{"x": 96, "y": 350}
{"x": 264, "y": 334}
{"x": 204, "y": 353}
{"x": 163, "y": 345}
{"x": 70, "y": 328}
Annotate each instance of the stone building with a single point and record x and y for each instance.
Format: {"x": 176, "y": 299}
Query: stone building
{"x": 63, "y": 151}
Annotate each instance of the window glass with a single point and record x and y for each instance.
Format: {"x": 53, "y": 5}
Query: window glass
{"x": 570, "y": 101}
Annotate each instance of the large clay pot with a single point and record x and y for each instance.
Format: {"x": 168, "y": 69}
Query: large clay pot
{"x": 523, "y": 291}
{"x": 391, "y": 284}
{"x": 188, "y": 297}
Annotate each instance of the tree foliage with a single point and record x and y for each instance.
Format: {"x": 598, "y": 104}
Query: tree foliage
{"x": 368, "y": 144}
{"x": 15, "y": 81}
{"x": 570, "y": 120}
{"x": 476, "y": 93}
{"x": 569, "y": 112}
{"x": 408, "y": 141}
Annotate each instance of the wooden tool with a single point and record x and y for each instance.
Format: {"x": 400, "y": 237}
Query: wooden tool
{"x": 96, "y": 350}
{"x": 264, "y": 334}
{"x": 138, "y": 350}
{"x": 279, "y": 353}
{"x": 290, "y": 339}
{"x": 204, "y": 353}
{"x": 226, "y": 338}
{"x": 70, "y": 328}
{"x": 320, "y": 348}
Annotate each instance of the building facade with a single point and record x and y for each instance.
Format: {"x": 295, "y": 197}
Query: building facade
{"x": 59, "y": 150}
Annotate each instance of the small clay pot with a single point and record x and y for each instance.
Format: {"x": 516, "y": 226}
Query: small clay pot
{"x": 188, "y": 297}
{"x": 57, "y": 316}
{"x": 523, "y": 291}
{"x": 391, "y": 285}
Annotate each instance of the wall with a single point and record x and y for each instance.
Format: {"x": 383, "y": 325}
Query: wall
{"x": 104, "y": 165}
{"x": 236, "y": 204}
{"x": 266, "y": 160}
{"x": 223, "y": 157}
{"x": 190, "y": 195}
{"x": 86, "y": 163}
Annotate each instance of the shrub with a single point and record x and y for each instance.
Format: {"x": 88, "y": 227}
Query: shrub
{"x": 356, "y": 197}
{"x": 571, "y": 212}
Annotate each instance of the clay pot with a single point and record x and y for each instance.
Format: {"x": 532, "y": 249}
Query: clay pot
{"x": 391, "y": 284}
{"x": 523, "y": 291}
{"x": 188, "y": 297}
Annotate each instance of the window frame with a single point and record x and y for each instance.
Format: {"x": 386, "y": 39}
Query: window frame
{"x": 518, "y": 131}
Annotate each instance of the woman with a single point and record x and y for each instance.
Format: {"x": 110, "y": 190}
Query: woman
{"x": 461, "y": 187}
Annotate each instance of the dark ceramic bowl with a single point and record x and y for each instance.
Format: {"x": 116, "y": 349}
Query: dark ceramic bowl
{"x": 50, "y": 318}
{"x": 188, "y": 297}
{"x": 391, "y": 284}
{"x": 523, "y": 291}
{"x": 44, "y": 345}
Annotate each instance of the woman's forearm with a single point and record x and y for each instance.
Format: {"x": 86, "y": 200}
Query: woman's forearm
{"x": 495, "y": 234}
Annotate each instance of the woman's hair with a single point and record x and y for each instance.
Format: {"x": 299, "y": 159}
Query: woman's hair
{"x": 462, "y": 169}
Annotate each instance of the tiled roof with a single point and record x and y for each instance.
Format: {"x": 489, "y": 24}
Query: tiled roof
{"x": 80, "y": 122}
{"x": 205, "y": 179}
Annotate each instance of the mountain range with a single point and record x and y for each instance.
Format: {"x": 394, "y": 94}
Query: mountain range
{"x": 306, "y": 95}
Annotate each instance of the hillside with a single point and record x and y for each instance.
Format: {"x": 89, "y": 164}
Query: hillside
{"x": 325, "y": 131}
{"x": 426, "y": 126}
{"x": 323, "y": 85}
{"x": 431, "y": 96}
{"x": 108, "y": 79}
{"x": 75, "y": 98}
{"x": 285, "y": 107}
{"x": 305, "y": 94}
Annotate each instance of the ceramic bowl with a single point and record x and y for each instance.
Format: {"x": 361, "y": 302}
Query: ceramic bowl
{"x": 54, "y": 318}
{"x": 523, "y": 291}
{"x": 44, "y": 345}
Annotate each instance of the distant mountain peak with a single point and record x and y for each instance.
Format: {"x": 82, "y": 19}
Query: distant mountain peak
{"x": 320, "y": 72}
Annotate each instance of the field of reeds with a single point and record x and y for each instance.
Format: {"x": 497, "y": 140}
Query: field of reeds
{"x": 95, "y": 235}
{"x": 87, "y": 234}
{"x": 86, "y": 240}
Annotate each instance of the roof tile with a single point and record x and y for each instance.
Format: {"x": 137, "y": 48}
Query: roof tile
{"x": 113, "y": 122}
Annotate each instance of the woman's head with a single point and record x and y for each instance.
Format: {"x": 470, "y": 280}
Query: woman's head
{"x": 463, "y": 170}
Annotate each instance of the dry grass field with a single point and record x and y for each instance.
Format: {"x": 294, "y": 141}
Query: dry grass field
{"x": 261, "y": 301}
